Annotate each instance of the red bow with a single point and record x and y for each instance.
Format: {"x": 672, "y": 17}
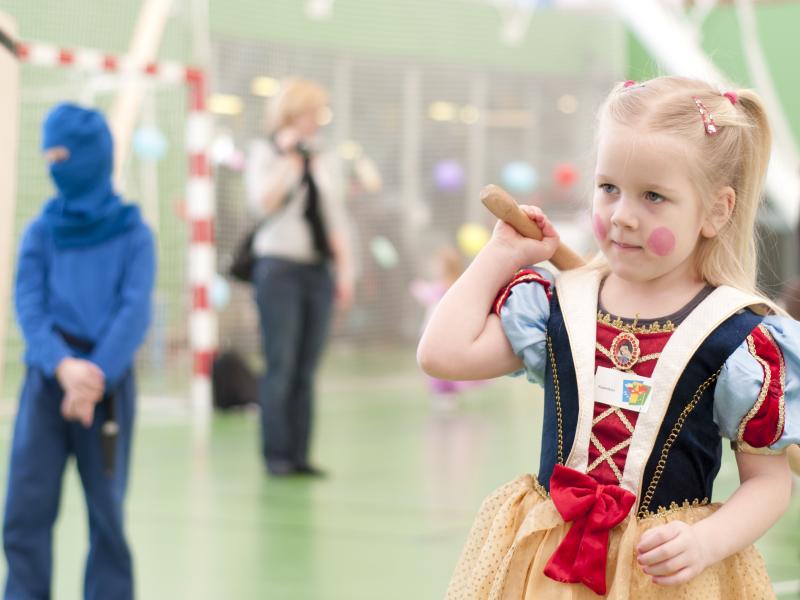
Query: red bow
{"x": 595, "y": 509}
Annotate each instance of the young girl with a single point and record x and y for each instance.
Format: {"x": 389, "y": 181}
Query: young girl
{"x": 448, "y": 267}
{"x": 647, "y": 357}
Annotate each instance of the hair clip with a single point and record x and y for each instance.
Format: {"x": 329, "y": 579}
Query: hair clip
{"x": 708, "y": 118}
{"x": 632, "y": 85}
{"x": 732, "y": 96}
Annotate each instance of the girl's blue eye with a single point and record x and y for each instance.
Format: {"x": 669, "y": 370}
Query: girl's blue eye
{"x": 607, "y": 188}
{"x": 653, "y": 197}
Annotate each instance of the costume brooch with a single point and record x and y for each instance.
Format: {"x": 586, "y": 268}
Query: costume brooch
{"x": 625, "y": 350}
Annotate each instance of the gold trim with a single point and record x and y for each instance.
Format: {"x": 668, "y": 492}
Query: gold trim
{"x": 624, "y": 419}
{"x": 603, "y": 350}
{"x": 647, "y": 357}
{"x": 539, "y": 487}
{"x": 602, "y": 415}
{"x": 519, "y": 277}
{"x": 607, "y": 455}
{"x": 617, "y": 323}
{"x": 607, "y": 353}
{"x": 673, "y": 435}
{"x": 557, "y": 394}
{"x": 762, "y": 395}
{"x": 613, "y": 410}
{"x": 746, "y": 448}
{"x": 673, "y": 508}
{"x": 782, "y": 397}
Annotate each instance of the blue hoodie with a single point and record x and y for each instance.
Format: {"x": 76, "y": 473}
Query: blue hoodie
{"x": 85, "y": 210}
{"x": 86, "y": 265}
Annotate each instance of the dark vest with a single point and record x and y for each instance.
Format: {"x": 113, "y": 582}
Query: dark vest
{"x": 693, "y": 458}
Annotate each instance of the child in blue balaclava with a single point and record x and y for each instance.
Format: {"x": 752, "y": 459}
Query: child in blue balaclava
{"x": 82, "y": 296}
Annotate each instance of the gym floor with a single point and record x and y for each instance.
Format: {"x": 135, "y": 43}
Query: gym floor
{"x": 406, "y": 479}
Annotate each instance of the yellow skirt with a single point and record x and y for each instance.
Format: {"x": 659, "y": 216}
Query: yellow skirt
{"x": 518, "y": 529}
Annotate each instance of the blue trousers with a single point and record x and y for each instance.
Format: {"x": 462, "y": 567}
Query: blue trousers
{"x": 43, "y": 440}
{"x": 294, "y": 304}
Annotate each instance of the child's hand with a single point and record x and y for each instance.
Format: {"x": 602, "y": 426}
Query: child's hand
{"x": 528, "y": 250}
{"x": 83, "y": 383}
{"x": 77, "y": 407}
{"x": 673, "y": 553}
{"x": 80, "y": 376}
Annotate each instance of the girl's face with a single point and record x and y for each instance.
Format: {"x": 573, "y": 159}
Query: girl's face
{"x": 647, "y": 216}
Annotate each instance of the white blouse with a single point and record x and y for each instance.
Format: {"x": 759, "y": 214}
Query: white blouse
{"x": 286, "y": 232}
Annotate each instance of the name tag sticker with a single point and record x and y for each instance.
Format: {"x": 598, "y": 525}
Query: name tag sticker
{"x": 625, "y": 390}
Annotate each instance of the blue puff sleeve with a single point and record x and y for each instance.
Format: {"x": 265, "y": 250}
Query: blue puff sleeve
{"x": 757, "y": 397}
{"x": 524, "y": 309}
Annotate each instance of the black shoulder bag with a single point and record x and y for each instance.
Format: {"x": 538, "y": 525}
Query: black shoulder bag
{"x": 244, "y": 259}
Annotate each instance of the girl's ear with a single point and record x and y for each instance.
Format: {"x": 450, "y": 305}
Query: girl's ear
{"x": 720, "y": 213}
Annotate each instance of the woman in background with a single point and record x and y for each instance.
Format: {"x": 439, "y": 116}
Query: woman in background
{"x": 304, "y": 262}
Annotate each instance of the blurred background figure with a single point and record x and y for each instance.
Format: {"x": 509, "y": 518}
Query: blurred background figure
{"x": 304, "y": 262}
{"x": 448, "y": 264}
{"x": 84, "y": 280}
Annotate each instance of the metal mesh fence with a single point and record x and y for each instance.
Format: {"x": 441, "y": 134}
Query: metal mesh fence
{"x": 426, "y": 111}
{"x": 154, "y": 177}
{"x": 436, "y": 133}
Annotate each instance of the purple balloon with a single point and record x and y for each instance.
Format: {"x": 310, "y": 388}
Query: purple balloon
{"x": 448, "y": 175}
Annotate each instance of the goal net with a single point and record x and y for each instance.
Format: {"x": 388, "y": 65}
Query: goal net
{"x": 157, "y": 174}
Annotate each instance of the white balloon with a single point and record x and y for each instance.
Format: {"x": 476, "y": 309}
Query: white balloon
{"x": 220, "y": 293}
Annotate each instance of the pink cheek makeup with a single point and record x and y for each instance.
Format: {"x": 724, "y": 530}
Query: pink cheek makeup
{"x": 599, "y": 227}
{"x": 661, "y": 241}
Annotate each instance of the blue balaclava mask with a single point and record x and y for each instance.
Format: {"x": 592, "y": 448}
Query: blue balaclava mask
{"x": 86, "y": 211}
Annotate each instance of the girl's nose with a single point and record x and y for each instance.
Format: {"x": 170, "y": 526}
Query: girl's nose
{"x": 624, "y": 214}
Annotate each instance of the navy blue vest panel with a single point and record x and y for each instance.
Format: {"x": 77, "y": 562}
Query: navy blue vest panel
{"x": 694, "y": 458}
{"x": 568, "y": 388}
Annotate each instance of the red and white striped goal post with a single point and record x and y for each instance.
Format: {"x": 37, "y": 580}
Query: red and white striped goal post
{"x": 200, "y": 200}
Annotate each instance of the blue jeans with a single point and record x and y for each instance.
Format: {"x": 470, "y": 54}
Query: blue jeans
{"x": 43, "y": 441}
{"x": 294, "y": 304}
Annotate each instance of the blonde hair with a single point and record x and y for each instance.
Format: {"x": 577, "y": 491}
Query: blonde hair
{"x": 736, "y": 156}
{"x": 296, "y": 97}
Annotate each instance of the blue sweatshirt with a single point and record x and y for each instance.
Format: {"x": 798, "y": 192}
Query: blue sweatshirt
{"x": 100, "y": 293}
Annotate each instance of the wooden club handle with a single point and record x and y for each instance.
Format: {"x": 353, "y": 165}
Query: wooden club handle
{"x": 503, "y": 206}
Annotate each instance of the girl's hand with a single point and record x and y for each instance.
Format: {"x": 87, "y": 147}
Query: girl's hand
{"x": 528, "y": 251}
{"x": 673, "y": 553}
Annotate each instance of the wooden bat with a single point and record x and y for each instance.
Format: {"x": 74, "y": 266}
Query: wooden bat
{"x": 503, "y": 206}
